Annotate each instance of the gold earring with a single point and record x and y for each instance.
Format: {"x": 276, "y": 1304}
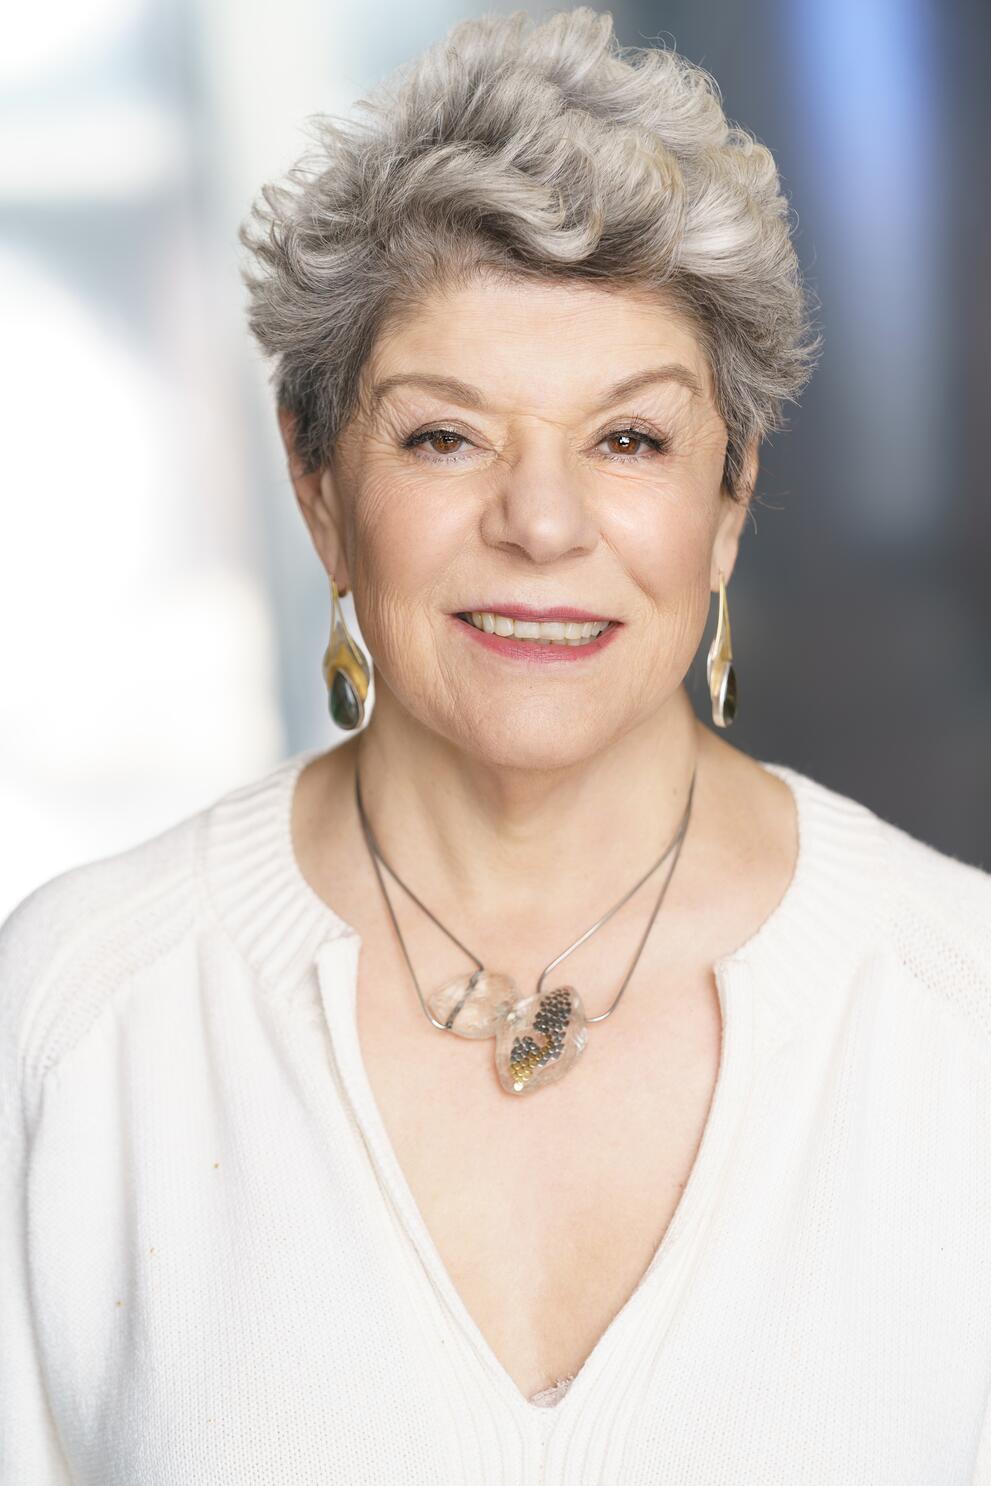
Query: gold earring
{"x": 719, "y": 667}
{"x": 345, "y": 670}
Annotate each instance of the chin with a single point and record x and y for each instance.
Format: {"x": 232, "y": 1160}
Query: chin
{"x": 543, "y": 738}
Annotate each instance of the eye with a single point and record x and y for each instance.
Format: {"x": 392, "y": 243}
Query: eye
{"x": 635, "y": 436}
{"x": 448, "y": 436}
{"x": 449, "y": 439}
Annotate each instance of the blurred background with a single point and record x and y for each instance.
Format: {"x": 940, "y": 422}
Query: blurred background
{"x": 163, "y": 613}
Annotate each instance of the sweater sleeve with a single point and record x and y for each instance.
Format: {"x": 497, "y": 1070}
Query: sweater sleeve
{"x": 30, "y": 1449}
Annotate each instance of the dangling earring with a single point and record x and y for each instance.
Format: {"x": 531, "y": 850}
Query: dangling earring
{"x": 345, "y": 670}
{"x": 719, "y": 667}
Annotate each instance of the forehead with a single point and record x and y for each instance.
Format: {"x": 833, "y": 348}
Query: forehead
{"x": 539, "y": 345}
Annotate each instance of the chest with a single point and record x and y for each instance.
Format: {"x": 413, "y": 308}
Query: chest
{"x": 214, "y": 1253}
{"x": 547, "y": 1210}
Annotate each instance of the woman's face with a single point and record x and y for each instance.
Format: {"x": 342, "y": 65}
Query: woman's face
{"x": 537, "y": 480}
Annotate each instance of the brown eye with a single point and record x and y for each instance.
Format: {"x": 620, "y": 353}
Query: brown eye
{"x": 444, "y": 443}
{"x": 622, "y": 442}
{"x": 626, "y": 441}
{"x": 441, "y": 440}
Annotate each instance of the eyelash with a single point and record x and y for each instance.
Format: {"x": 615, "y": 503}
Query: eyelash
{"x": 659, "y": 445}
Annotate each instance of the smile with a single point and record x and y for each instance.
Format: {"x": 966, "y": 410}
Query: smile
{"x": 546, "y": 631}
{"x": 538, "y": 640}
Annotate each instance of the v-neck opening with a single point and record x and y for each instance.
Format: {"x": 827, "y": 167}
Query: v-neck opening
{"x": 786, "y": 973}
{"x": 312, "y": 933}
{"x": 695, "y": 1206}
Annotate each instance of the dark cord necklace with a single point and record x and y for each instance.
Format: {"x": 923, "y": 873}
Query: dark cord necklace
{"x": 539, "y": 1037}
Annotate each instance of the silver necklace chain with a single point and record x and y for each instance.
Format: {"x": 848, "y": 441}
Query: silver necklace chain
{"x": 674, "y": 845}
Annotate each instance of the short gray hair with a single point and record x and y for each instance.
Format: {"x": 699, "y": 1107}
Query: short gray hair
{"x": 542, "y": 151}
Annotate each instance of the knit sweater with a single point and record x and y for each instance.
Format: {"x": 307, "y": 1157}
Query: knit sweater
{"x": 214, "y": 1273}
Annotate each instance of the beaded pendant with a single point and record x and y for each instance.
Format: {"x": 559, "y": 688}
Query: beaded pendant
{"x": 538, "y": 1038}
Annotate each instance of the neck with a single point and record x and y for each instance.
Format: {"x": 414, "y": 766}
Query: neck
{"x": 494, "y": 839}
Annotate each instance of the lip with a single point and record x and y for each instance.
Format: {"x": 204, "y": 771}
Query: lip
{"x": 532, "y": 652}
{"x": 522, "y": 611}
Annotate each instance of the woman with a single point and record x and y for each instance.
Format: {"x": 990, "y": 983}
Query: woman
{"x": 321, "y": 1167}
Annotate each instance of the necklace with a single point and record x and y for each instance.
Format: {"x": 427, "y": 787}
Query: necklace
{"x": 538, "y": 1038}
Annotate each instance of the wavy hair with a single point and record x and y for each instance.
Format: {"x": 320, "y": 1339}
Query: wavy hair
{"x": 542, "y": 150}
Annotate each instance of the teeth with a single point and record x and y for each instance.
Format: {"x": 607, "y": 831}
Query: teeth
{"x": 551, "y": 632}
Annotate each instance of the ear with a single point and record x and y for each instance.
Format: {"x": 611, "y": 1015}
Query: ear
{"x": 727, "y": 543}
{"x": 319, "y": 498}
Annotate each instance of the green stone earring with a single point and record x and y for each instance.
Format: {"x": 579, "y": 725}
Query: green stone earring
{"x": 719, "y": 667}
{"x": 345, "y": 670}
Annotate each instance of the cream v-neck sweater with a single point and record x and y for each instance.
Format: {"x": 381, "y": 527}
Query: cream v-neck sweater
{"x": 214, "y": 1273}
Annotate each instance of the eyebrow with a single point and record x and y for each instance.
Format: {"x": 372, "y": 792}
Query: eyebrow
{"x": 470, "y": 397}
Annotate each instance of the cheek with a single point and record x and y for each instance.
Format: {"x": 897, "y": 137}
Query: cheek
{"x": 405, "y": 547}
{"x": 665, "y": 547}
{"x": 406, "y": 535}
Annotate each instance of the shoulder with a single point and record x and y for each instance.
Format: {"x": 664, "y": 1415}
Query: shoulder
{"x": 939, "y": 918}
{"x": 922, "y": 874}
{"x": 67, "y": 947}
{"x": 75, "y": 944}
{"x": 929, "y": 909}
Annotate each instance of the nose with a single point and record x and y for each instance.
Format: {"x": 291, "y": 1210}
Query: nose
{"x": 540, "y": 504}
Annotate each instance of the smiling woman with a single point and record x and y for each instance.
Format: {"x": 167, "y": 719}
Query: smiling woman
{"x": 531, "y": 319}
{"x": 547, "y": 480}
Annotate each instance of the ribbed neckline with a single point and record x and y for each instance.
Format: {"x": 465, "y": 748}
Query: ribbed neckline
{"x": 802, "y": 949}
